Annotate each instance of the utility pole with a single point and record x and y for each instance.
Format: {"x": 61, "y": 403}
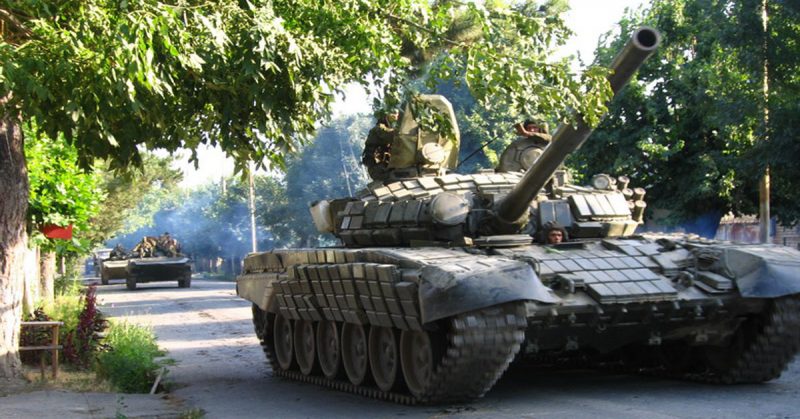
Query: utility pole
{"x": 763, "y": 187}
{"x": 252, "y": 207}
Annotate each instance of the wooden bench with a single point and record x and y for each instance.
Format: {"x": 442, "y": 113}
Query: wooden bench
{"x": 53, "y": 347}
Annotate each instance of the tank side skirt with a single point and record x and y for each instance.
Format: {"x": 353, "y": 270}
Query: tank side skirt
{"x": 485, "y": 340}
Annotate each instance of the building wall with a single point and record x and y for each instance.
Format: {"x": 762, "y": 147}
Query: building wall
{"x": 788, "y": 236}
{"x": 748, "y": 232}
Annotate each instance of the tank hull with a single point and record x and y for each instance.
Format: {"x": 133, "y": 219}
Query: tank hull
{"x": 158, "y": 269}
{"x": 113, "y": 269}
{"x": 695, "y": 309}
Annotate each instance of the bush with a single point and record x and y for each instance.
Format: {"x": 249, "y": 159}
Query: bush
{"x": 81, "y": 345}
{"x": 129, "y": 358}
{"x": 80, "y": 334}
{"x": 83, "y": 324}
{"x": 67, "y": 285}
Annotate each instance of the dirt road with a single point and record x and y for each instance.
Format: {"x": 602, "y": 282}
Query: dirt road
{"x": 221, "y": 369}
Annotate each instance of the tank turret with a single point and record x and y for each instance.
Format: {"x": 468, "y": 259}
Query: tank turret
{"x": 569, "y": 138}
{"x": 417, "y": 201}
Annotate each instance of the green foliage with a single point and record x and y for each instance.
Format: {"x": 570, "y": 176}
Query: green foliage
{"x": 66, "y": 308}
{"x": 129, "y": 359}
{"x": 98, "y": 204}
{"x": 133, "y": 197}
{"x": 691, "y": 128}
{"x": 60, "y": 193}
{"x": 68, "y": 285}
{"x": 256, "y": 77}
{"x": 330, "y": 167}
{"x": 82, "y": 323}
{"x": 211, "y": 223}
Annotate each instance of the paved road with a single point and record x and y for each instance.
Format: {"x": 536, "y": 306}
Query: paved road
{"x": 221, "y": 369}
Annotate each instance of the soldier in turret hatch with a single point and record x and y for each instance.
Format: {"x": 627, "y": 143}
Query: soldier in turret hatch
{"x": 378, "y": 148}
{"x": 118, "y": 252}
{"x": 555, "y": 233}
{"x": 535, "y": 130}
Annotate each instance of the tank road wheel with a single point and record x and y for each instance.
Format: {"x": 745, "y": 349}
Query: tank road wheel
{"x": 417, "y": 360}
{"x": 282, "y": 339}
{"x": 263, "y": 323}
{"x": 304, "y": 349}
{"x": 354, "y": 353}
{"x": 186, "y": 282}
{"x": 384, "y": 357}
{"x": 761, "y": 348}
{"x": 328, "y": 349}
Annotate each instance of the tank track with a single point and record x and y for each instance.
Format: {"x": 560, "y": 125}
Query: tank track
{"x": 480, "y": 346}
{"x": 761, "y": 350}
{"x": 765, "y": 354}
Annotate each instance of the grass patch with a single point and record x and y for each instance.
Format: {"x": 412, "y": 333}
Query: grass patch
{"x": 196, "y": 413}
{"x": 129, "y": 362}
{"x": 69, "y": 378}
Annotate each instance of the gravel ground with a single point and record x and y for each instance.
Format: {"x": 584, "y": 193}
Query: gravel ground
{"x": 221, "y": 369}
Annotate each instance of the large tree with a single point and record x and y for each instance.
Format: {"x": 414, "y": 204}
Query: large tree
{"x": 253, "y": 77}
{"x": 691, "y": 128}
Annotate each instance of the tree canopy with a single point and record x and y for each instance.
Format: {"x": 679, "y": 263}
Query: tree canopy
{"x": 691, "y": 128}
{"x": 255, "y": 78}
{"x": 61, "y": 193}
{"x": 213, "y": 221}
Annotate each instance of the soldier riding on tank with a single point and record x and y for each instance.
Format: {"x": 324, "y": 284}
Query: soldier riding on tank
{"x": 378, "y": 147}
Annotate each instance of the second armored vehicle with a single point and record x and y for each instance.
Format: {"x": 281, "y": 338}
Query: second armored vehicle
{"x": 443, "y": 279}
{"x": 152, "y": 259}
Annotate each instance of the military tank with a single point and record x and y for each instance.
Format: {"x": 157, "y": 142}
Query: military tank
{"x": 443, "y": 279}
{"x": 153, "y": 259}
{"x": 158, "y": 259}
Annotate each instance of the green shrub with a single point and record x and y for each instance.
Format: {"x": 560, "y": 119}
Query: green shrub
{"x": 129, "y": 359}
{"x": 65, "y": 308}
{"x": 67, "y": 285}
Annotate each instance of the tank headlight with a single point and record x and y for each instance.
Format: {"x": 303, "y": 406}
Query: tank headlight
{"x": 433, "y": 153}
{"x": 449, "y": 209}
{"x": 603, "y": 182}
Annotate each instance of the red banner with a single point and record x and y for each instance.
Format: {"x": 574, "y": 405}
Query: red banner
{"x": 57, "y": 232}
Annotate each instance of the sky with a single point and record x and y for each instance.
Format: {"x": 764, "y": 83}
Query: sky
{"x": 589, "y": 19}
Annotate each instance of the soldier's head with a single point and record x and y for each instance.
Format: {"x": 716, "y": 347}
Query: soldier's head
{"x": 533, "y": 125}
{"x": 388, "y": 116}
{"x": 554, "y": 233}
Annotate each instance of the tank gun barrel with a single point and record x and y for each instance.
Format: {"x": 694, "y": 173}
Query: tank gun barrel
{"x": 569, "y": 138}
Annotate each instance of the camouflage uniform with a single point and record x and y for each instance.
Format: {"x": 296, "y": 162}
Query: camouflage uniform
{"x": 377, "y": 149}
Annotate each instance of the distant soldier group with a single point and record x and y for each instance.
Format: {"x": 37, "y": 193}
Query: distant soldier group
{"x": 168, "y": 245}
{"x": 118, "y": 252}
{"x": 152, "y": 246}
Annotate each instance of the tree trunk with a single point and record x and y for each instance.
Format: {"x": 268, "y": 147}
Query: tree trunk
{"x": 13, "y": 241}
{"x": 32, "y": 291}
{"x": 47, "y": 275}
